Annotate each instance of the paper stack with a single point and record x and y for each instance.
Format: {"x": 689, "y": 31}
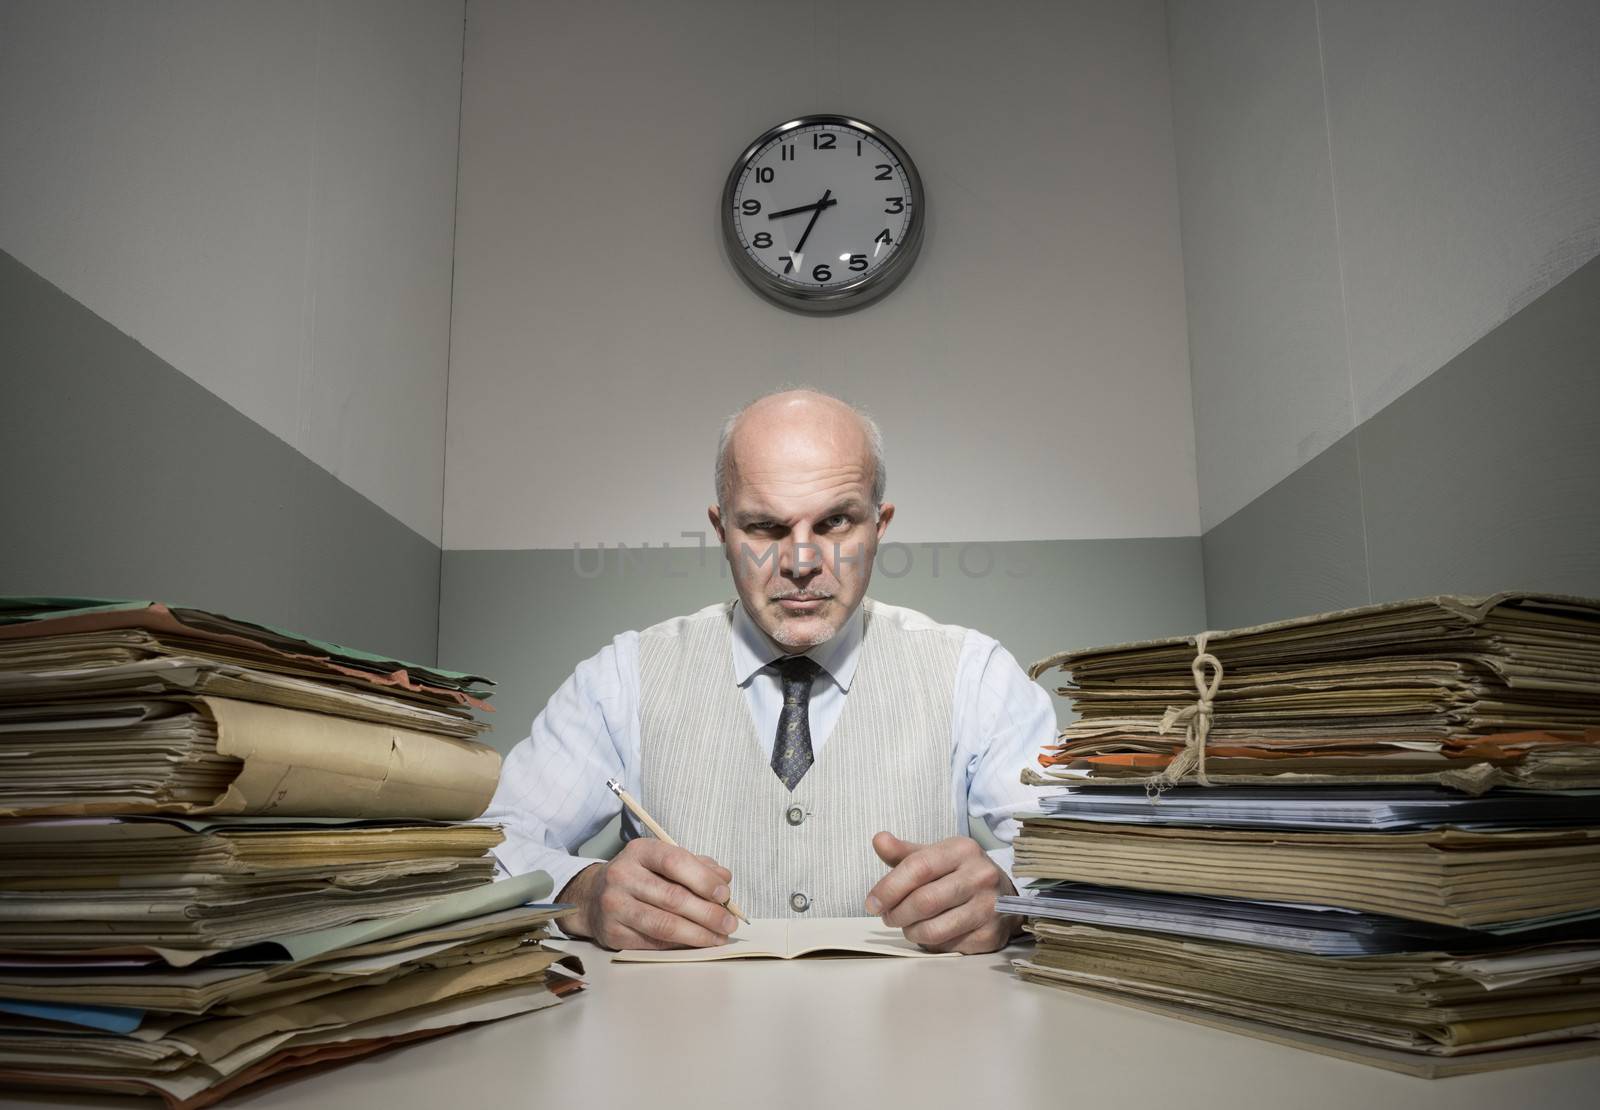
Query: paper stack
{"x": 136, "y": 707}
{"x": 1284, "y": 855}
{"x": 227, "y": 853}
{"x": 1470, "y": 692}
{"x": 195, "y": 1024}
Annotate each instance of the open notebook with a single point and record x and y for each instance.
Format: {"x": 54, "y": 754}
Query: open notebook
{"x": 784, "y": 940}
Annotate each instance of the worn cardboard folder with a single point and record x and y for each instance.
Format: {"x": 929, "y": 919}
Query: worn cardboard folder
{"x": 211, "y": 755}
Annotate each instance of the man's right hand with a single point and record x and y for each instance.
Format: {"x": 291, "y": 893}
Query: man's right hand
{"x": 651, "y": 896}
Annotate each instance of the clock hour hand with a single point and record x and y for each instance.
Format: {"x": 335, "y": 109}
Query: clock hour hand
{"x": 803, "y": 208}
{"x": 821, "y": 204}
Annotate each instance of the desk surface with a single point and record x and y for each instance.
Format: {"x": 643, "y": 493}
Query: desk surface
{"x": 883, "y": 1032}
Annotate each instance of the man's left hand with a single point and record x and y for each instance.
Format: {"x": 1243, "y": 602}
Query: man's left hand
{"x": 942, "y": 895}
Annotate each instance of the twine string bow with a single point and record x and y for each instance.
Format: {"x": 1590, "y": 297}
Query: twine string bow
{"x": 1195, "y": 719}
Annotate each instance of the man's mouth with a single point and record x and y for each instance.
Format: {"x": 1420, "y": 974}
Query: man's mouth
{"x": 802, "y": 603}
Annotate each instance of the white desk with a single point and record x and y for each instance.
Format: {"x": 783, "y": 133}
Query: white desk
{"x": 878, "y": 1032}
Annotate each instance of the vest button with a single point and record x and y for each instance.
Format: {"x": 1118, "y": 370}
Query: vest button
{"x": 799, "y": 903}
{"x": 794, "y": 815}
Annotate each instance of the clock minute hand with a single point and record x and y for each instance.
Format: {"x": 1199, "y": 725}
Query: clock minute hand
{"x": 821, "y": 204}
{"x": 803, "y": 208}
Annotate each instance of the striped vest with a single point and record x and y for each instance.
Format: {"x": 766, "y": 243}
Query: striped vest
{"x": 886, "y": 765}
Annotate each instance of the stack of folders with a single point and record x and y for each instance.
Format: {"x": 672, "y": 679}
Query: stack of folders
{"x": 135, "y": 707}
{"x": 1469, "y": 692}
{"x": 1347, "y": 869}
{"x": 228, "y": 852}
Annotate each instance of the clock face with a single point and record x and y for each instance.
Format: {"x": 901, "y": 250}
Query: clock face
{"x": 823, "y": 213}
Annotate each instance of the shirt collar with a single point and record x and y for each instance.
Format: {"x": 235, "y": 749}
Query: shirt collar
{"x": 838, "y": 656}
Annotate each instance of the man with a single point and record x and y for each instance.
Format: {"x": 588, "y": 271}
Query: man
{"x": 804, "y": 738}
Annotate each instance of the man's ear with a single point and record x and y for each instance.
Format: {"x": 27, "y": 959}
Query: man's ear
{"x": 714, "y": 515}
{"x": 885, "y": 515}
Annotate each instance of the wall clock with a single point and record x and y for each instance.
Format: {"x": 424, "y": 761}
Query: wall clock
{"x": 823, "y": 213}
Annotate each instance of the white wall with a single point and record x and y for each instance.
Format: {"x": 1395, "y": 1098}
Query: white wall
{"x": 1367, "y": 188}
{"x": 1031, "y": 375}
{"x": 261, "y": 193}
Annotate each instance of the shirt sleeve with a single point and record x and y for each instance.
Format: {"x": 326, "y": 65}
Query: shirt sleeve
{"x": 1002, "y": 719}
{"x": 552, "y": 795}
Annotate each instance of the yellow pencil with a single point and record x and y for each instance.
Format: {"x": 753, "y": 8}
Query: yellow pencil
{"x": 661, "y": 834}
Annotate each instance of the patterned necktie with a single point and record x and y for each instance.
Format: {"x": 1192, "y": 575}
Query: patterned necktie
{"x": 791, "y": 748}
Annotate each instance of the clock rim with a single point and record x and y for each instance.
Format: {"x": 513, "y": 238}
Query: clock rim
{"x": 863, "y": 290}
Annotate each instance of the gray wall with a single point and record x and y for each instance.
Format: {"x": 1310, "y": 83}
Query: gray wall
{"x": 1482, "y": 478}
{"x": 1367, "y": 189}
{"x": 1389, "y": 220}
{"x": 600, "y": 334}
{"x": 263, "y": 194}
{"x": 125, "y": 478}
{"x": 528, "y": 617}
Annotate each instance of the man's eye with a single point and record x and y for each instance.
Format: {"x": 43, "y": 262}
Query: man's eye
{"x": 837, "y": 520}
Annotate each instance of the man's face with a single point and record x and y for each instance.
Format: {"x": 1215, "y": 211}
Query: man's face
{"x": 801, "y": 531}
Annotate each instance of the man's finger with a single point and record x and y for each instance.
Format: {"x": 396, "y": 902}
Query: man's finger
{"x": 661, "y": 894}
{"x": 672, "y": 930}
{"x": 727, "y": 876}
{"x": 891, "y": 849}
{"x": 659, "y": 923}
{"x": 684, "y": 868}
{"x": 927, "y": 863}
{"x": 930, "y": 900}
{"x": 620, "y": 937}
{"x": 950, "y": 929}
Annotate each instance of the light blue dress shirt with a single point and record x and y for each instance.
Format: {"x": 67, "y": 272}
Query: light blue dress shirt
{"x": 553, "y": 798}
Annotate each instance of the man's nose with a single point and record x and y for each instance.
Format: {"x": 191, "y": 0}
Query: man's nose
{"x": 800, "y": 556}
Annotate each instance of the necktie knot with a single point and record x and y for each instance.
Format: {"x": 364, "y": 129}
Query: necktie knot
{"x": 797, "y": 668}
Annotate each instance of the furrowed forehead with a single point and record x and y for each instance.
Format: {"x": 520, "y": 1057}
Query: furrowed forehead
{"x": 759, "y": 510}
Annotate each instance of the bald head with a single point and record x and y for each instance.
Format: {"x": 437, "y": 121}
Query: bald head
{"x": 804, "y": 429}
